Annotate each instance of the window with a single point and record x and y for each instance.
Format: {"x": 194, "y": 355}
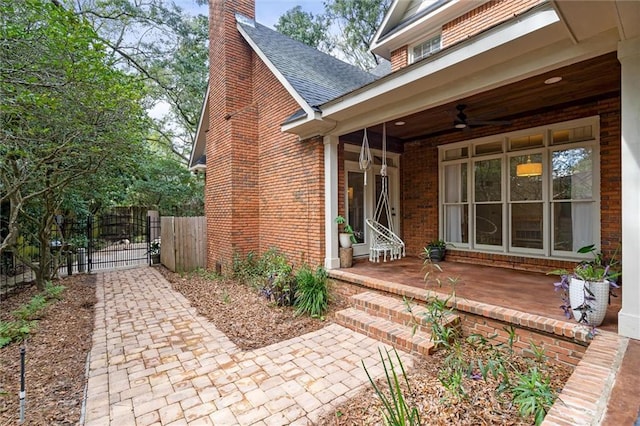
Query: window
{"x": 425, "y": 48}
{"x": 489, "y": 204}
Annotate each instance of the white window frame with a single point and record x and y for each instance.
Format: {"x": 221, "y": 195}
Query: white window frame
{"x": 546, "y": 149}
{"x": 413, "y": 58}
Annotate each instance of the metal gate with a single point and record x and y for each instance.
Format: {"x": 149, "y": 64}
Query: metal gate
{"x": 109, "y": 241}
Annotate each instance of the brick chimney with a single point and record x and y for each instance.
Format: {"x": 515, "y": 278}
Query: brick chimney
{"x": 231, "y": 193}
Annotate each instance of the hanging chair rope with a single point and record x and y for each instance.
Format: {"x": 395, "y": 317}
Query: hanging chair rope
{"x": 383, "y": 240}
{"x": 365, "y": 156}
{"x": 383, "y": 201}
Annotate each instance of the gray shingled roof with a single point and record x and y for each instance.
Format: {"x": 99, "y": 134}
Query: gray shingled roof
{"x": 316, "y": 76}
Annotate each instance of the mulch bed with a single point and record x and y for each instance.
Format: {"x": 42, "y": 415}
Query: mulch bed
{"x": 56, "y": 354}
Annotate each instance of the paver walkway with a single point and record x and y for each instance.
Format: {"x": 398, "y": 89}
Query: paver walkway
{"x": 154, "y": 360}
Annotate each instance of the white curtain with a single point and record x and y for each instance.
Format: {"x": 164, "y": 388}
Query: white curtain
{"x": 581, "y": 212}
{"x": 453, "y": 214}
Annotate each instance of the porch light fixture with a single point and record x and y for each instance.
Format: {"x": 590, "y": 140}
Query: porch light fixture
{"x": 400, "y": 123}
{"x": 460, "y": 125}
{"x": 529, "y": 169}
{"x": 553, "y": 80}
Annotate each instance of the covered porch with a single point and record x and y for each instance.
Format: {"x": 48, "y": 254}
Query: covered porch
{"x": 462, "y": 124}
{"x": 491, "y": 290}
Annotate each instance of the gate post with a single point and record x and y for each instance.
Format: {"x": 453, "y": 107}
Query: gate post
{"x": 89, "y": 242}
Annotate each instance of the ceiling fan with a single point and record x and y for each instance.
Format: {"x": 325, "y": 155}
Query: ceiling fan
{"x": 462, "y": 122}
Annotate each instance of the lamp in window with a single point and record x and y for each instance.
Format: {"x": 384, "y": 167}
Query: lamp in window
{"x": 529, "y": 169}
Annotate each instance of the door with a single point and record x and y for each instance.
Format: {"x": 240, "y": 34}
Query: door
{"x": 361, "y": 200}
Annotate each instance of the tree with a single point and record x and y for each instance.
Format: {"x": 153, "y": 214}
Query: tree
{"x": 67, "y": 114}
{"x": 306, "y": 28}
{"x": 344, "y": 30}
{"x": 166, "y": 185}
{"x": 168, "y": 50}
{"x": 357, "y": 22}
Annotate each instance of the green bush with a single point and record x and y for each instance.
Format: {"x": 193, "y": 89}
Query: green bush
{"x": 271, "y": 273}
{"x": 312, "y": 292}
{"x": 15, "y": 331}
{"x": 31, "y": 310}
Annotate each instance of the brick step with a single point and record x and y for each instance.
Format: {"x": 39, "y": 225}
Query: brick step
{"x": 388, "y": 320}
{"x": 411, "y": 314}
{"x": 392, "y": 333}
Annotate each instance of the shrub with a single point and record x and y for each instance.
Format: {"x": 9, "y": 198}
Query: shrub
{"x": 31, "y": 310}
{"x": 312, "y": 294}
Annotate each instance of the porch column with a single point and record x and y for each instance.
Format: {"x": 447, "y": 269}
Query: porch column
{"x": 629, "y": 316}
{"x": 332, "y": 256}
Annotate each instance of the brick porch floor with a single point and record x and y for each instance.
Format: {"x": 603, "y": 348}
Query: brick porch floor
{"x": 523, "y": 291}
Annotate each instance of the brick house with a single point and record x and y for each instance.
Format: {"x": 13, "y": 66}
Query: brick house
{"x": 476, "y": 90}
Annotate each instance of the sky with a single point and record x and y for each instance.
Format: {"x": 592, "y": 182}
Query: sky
{"x": 267, "y": 11}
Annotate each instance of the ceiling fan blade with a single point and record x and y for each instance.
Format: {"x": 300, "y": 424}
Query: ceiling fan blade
{"x": 488, "y": 122}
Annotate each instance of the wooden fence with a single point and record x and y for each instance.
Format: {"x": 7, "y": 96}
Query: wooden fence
{"x": 183, "y": 243}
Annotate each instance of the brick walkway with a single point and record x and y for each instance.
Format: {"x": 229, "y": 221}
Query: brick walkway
{"x": 156, "y": 361}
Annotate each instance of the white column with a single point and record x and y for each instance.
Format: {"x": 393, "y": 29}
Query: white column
{"x": 629, "y": 316}
{"x": 332, "y": 256}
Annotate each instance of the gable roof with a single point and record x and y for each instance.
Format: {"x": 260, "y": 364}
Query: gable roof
{"x": 310, "y": 76}
{"x": 315, "y": 76}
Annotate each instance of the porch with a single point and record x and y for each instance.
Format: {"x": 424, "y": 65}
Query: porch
{"x": 525, "y": 298}
{"x": 609, "y": 366}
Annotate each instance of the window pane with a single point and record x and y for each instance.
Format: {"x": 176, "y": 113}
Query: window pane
{"x": 489, "y": 148}
{"x": 456, "y": 220}
{"x": 355, "y": 201}
{"x": 525, "y": 142}
{"x": 572, "y": 174}
{"x": 453, "y": 154}
{"x": 488, "y": 178}
{"x": 572, "y": 225}
{"x": 455, "y": 182}
{"x": 575, "y": 134}
{"x": 489, "y": 224}
{"x": 524, "y": 188}
{"x": 526, "y": 223}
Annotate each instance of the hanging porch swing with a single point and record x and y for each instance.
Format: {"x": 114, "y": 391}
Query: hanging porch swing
{"x": 383, "y": 242}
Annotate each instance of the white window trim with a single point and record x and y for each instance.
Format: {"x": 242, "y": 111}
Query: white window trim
{"x": 547, "y": 148}
{"x": 412, "y": 57}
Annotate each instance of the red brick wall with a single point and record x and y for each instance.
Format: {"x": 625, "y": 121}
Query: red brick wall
{"x": 481, "y": 18}
{"x": 291, "y": 177}
{"x": 470, "y": 24}
{"x": 555, "y": 348}
{"x": 231, "y": 193}
{"x": 264, "y": 188}
{"x": 399, "y": 58}
{"x": 420, "y": 184}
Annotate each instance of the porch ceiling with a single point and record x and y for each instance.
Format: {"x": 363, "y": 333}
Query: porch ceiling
{"x": 580, "y": 82}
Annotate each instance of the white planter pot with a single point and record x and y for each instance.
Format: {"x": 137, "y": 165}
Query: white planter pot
{"x": 600, "y": 290}
{"x": 345, "y": 240}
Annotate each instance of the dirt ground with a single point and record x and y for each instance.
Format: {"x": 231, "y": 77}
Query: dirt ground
{"x": 56, "y": 355}
{"x": 57, "y": 351}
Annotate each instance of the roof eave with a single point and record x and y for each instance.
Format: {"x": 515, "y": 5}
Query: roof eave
{"x": 309, "y": 126}
{"x": 200, "y": 142}
{"x": 446, "y": 59}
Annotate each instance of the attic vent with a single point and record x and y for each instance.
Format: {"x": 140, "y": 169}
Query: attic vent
{"x": 241, "y": 19}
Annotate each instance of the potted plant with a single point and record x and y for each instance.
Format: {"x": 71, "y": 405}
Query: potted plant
{"x": 154, "y": 251}
{"x": 436, "y": 250}
{"x": 587, "y": 289}
{"x": 346, "y": 235}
